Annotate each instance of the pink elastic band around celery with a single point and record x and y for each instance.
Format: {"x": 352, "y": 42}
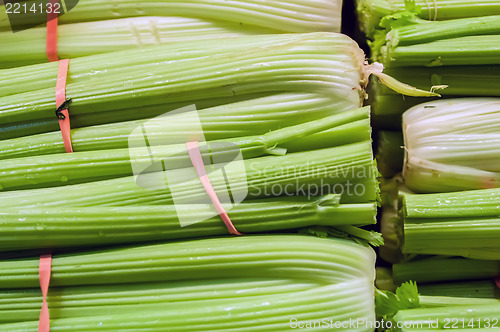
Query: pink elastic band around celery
{"x": 44, "y": 272}
{"x": 497, "y": 281}
{"x": 197, "y": 161}
{"x": 51, "y": 46}
{"x": 64, "y": 124}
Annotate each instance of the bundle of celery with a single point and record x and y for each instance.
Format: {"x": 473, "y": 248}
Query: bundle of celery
{"x": 158, "y": 79}
{"x": 457, "y": 224}
{"x": 289, "y": 16}
{"x": 200, "y": 285}
{"x": 371, "y": 12}
{"x": 452, "y": 145}
{"x": 406, "y": 310}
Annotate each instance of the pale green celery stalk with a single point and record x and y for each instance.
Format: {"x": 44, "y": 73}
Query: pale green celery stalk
{"x": 92, "y": 226}
{"x": 466, "y": 204}
{"x": 65, "y": 302}
{"x": 245, "y": 118}
{"x": 486, "y": 289}
{"x": 445, "y": 269}
{"x": 330, "y": 261}
{"x": 460, "y": 81}
{"x": 347, "y": 170}
{"x": 81, "y": 39}
{"x": 467, "y": 317}
{"x": 268, "y": 313}
{"x": 461, "y": 51}
{"x": 320, "y": 62}
{"x": 79, "y": 167}
{"x": 370, "y": 12}
{"x": 389, "y": 153}
{"x": 452, "y": 145}
{"x": 256, "y": 114}
{"x": 289, "y": 16}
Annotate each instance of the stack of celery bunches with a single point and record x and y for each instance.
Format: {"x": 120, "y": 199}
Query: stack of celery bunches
{"x": 273, "y": 83}
{"x": 273, "y": 95}
{"x": 440, "y": 161}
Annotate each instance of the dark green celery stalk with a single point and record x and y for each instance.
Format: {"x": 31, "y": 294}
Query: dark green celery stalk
{"x": 389, "y": 153}
{"x": 427, "y": 31}
{"x": 62, "y": 169}
{"x": 371, "y": 12}
{"x": 445, "y": 269}
{"x": 460, "y": 80}
{"x": 486, "y": 289}
{"x": 91, "y": 226}
{"x": 470, "y": 50}
{"x": 346, "y": 170}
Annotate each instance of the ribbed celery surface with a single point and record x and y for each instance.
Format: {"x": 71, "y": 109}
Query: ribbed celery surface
{"x": 452, "y": 145}
{"x": 78, "y": 167}
{"x": 347, "y": 170}
{"x": 460, "y": 223}
{"x": 370, "y": 12}
{"x": 166, "y": 77}
{"x": 289, "y": 16}
{"x": 283, "y": 276}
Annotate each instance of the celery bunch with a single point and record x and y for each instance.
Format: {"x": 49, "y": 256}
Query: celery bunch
{"x": 284, "y": 276}
{"x": 452, "y": 145}
{"x": 289, "y": 16}
{"x": 456, "y": 224}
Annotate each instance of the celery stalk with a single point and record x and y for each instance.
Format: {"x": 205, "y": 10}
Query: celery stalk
{"x": 445, "y": 269}
{"x": 91, "y": 226}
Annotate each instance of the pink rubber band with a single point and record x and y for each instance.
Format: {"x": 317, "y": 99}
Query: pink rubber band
{"x": 64, "y": 124}
{"x": 497, "y": 281}
{"x": 52, "y": 33}
{"x": 44, "y": 272}
{"x": 197, "y": 160}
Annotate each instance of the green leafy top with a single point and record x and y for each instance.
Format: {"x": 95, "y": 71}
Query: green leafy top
{"x": 387, "y": 304}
